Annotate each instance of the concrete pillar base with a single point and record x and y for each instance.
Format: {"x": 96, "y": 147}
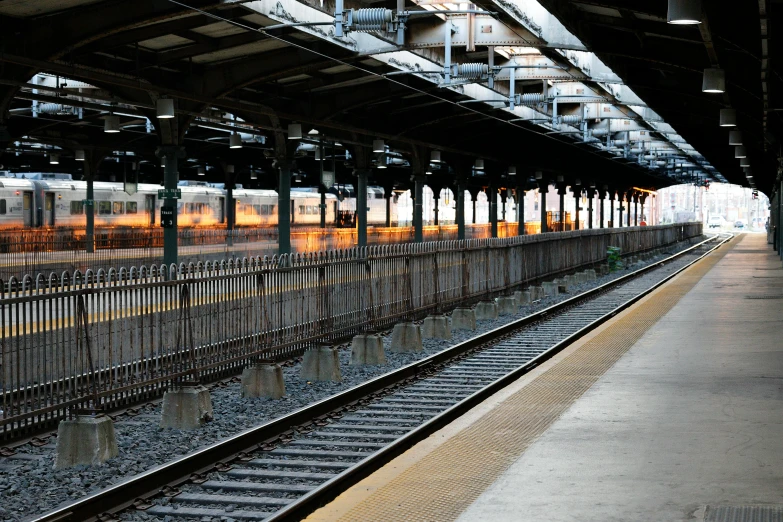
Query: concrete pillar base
{"x": 86, "y": 441}
{"x": 564, "y": 284}
{"x": 263, "y": 380}
{"x": 536, "y": 293}
{"x": 523, "y": 297}
{"x": 550, "y": 288}
{"x": 590, "y": 275}
{"x": 186, "y": 408}
{"x": 367, "y": 349}
{"x": 406, "y": 337}
{"x": 436, "y": 327}
{"x": 463, "y": 319}
{"x": 486, "y": 311}
{"x": 321, "y": 363}
{"x": 507, "y": 305}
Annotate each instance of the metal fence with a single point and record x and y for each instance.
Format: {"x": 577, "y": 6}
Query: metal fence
{"x": 111, "y": 338}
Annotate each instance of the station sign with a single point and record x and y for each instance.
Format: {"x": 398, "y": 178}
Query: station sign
{"x": 169, "y": 194}
{"x": 167, "y": 217}
{"x": 327, "y": 179}
{"x": 131, "y": 187}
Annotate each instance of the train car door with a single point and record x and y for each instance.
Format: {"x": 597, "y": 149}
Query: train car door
{"x": 149, "y": 208}
{"x": 222, "y": 210}
{"x": 293, "y": 210}
{"x": 27, "y": 208}
{"x": 49, "y": 209}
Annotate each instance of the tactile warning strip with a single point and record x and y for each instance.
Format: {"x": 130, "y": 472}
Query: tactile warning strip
{"x": 445, "y": 482}
{"x": 744, "y": 514}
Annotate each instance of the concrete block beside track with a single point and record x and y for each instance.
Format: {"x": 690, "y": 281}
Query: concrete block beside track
{"x": 507, "y": 305}
{"x": 486, "y": 311}
{"x": 463, "y": 319}
{"x": 436, "y": 327}
{"x": 406, "y": 337}
{"x": 263, "y": 380}
{"x": 186, "y": 408}
{"x": 86, "y": 441}
{"x": 551, "y": 288}
{"x": 321, "y": 363}
{"x": 523, "y": 297}
{"x": 367, "y": 349}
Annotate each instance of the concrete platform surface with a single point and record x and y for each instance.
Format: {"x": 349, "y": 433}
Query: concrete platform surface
{"x": 671, "y": 411}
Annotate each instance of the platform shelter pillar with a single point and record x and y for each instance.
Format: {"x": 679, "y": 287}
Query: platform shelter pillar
{"x": 561, "y": 190}
{"x": 590, "y": 198}
{"x": 361, "y": 206}
{"x": 521, "y": 210}
{"x": 460, "y": 214}
{"x": 170, "y": 155}
{"x": 543, "y": 188}
{"x": 284, "y": 207}
{"x": 577, "y": 196}
{"x": 492, "y": 194}
{"x": 418, "y": 209}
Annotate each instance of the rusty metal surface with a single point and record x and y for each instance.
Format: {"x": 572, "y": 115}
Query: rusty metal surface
{"x": 249, "y": 309}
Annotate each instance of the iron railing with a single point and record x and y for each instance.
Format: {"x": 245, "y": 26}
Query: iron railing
{"x": 104, "y": 339}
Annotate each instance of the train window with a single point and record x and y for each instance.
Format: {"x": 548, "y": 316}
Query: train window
{"x": 257, "y": 209}
{"x": 49, "y": 203}
{"x": 301, "y": 209}
{"x": 264, "y": 210}
{"x": 104, "y": 207}
{"x": 77, "y": 207}
{"x": 378, "y": 195}
{"x": 118, "y": 207}
{"x": 248, "y": 210}
{"x": 2, "y": 206}
{"x": 271, "y": 209}
{"x": 131, "y": 207}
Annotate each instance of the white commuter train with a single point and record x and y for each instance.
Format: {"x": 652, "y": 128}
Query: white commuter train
{"x": 55, "y": 200}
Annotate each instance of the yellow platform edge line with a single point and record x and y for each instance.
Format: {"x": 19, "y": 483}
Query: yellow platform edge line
{"x": 443, "y": 475}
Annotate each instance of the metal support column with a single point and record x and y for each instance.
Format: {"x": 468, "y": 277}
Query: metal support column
{"x": 89, "y": 211}
{"x": 611, "y": 223}
{"x": 636, "y": 211}
{"x": 473, "y": 198}
{"x": 387, "y": 194}
{"x": 493, "y": 211}
{"x": 460, "y": 214}
{"x": 561, "y": 192}
{"x": 171, "y": 155}
{"x": 418, "y": 209}
{"x": 230, "y": 204}
{"x": 601, "y": 214}
{"x": 543, "y": 188}
{"x": 628, "y": 198}
{"x": 435, "y": 209}
{"x": 590, "y": 197}
{"x": 620, "y": 199}
{"x": 521, "y": 211}
{"x": 284, "y": 207}
{"x": 577, "y": 197}
{"x": 361, "y": 206}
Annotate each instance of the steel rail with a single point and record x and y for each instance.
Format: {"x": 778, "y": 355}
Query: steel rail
{"x": 150, "y": 483}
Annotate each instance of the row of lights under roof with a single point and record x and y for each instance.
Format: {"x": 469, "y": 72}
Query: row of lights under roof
{"x": 164, "y": 111}
{"x": 685, "y": 12}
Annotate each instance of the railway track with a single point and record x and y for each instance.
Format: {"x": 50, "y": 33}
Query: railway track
{"x": 284, "y": 469}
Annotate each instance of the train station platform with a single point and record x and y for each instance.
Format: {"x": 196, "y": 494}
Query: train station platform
{"x": 673, "y": 411}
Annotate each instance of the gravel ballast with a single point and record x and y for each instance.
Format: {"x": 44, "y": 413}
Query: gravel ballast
{"x": 29, "y": 485}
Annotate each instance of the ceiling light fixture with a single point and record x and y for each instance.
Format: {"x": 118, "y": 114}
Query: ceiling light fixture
{"x": 714, "y": 81}
{"x": 79, "y": 155}
{"x": 294, "y": 131}
{"x": 479, "y": 165}
{"x": 728, "y": 118}
{"x": 684, "y": 12}
{"x": 378, "y": 146}
{"x": 111, "y": 124}
{"x": 435, "y": 156}
{"x": 735, "y": 138}
{"x": 740, "y": 152}
{"x": 54, "y": 159}
{"x": 235, "y": 141}
{"x": 165, "y": 108}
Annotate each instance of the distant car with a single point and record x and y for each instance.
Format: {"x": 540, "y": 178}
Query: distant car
{"x": 715, "y": 222}
{"x": 739, "y": 224}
